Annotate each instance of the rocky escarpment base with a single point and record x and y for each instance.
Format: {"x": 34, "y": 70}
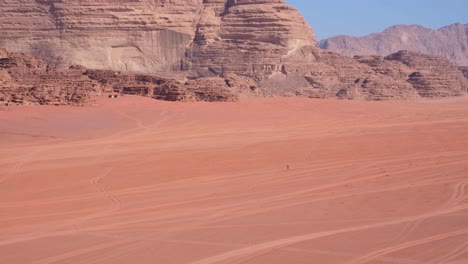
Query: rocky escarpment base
{"x": 431, "y": 76}
{"x": 26, "y": 80}
{"x": 403, "y": 75}
{"x": 214, "y": 89}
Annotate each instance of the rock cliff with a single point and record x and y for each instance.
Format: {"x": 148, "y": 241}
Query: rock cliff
{"x": 155, "y": 35}
{"x": 211, "y": 50}
{"x": 450, "y": 42}
{"x": 246, "y": 37}
{"x": 136, "y": 35}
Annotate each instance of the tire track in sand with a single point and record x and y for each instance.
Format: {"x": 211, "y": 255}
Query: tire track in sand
{"x": 115, "y": 202}
{"x": 459, "y": 195}
{"x": 455, "y": 253}
{"x": 259, "y": 249}
{"x": 385, "y": 251}
{"x": 18, "y": 166}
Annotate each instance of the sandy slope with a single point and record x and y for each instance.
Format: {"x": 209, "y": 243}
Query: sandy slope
{"x": 139, "y": 181}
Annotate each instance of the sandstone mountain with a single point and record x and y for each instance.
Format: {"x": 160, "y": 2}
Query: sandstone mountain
{"x": 153, "y": 35}
{"x": 212, "y": 50}
{"x": 450, "y": 42}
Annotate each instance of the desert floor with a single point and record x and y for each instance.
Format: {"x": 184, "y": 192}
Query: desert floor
{"x": 279, "y": 180}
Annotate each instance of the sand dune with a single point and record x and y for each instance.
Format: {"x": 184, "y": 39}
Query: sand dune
{"x": 279, "y": 180}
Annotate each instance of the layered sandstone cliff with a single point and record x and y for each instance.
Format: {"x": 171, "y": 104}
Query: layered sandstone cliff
{"x": 212, "y": 50}
{"x": 246, "y": 37}
{"x": 137, "y": 35}
{"x": 450, "y": 42}
{"x": 155, "y": 35}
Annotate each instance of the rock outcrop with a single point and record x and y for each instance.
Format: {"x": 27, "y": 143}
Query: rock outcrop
{"x": 202, "y": 36}
{"x": 450, "y": 42}
{"x": 433, "y": 76}
{"x": 132, "y": 35}
{"x": 246, "y": 37}
{"x": 328, "y": 74}
{"x": 24, "y": 80}
{"x": 191, "y": 50}
{"x": 202, "y": 89}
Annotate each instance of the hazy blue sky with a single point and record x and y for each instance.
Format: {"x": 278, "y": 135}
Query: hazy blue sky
{"x": 361, "y": 17}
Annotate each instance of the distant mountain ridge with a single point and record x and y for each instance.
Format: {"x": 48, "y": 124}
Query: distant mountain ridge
{"x": 450, "y": 42}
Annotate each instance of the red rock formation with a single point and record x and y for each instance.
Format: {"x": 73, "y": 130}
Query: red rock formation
{"x": 225, "y": 48}
{"x": 24, "y": 80}
{"x": 246, "y": 37}
{"x": 432, "y": 76}
{"x": 136, "y": 35}
{"x": 202, "y": 89}
{"x": 450, "y": 42}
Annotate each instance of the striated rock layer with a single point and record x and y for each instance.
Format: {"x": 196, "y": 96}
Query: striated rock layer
{"x": 24, "y": 79}
{"x": 139, "y": 35}
{"x": 450, "y": 42}
{"x": 202, "y": 89}
{"x": 241, "y": 36}
{"x": 432, "y": 76}
{"x": 211, "y": 50}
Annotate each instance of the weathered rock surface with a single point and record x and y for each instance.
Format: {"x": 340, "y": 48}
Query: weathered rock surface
{"x": 191, "y": 50}
{"x": 450, "y": 42}
{"x": 246, "y": 37}
{"x": 328, "y": 74}
{"x": 433, "y": 76}
{"x": 203, "y": 89}
{"x": 155, "y": 35}
{"x": 137, "y": 35}
{"x": 24, "y": 80}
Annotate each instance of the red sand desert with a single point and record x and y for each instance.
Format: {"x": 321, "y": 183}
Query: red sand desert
{"x": 288, "y": 180}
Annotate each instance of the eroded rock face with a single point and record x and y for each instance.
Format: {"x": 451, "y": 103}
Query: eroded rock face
{"x": 433, "y": 76}
{"x": 450, "y": 42}
{"x": 190, "y": 50}
{"x": 246, "y": 37}
{"x": 132, "y": 35}
{"x": 328, "y": 74}
{"x": 203, "y": 89}
{"x": 205, "y": 36}
{"x": 25, "y": 80}
{"x": 404, "y": 75}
